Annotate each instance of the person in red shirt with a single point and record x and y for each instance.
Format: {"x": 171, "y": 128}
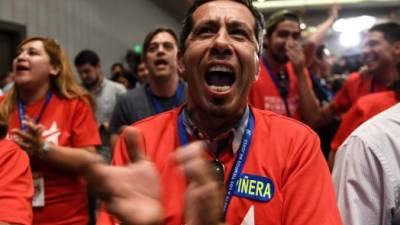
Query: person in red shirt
{"x": 50, "y": 117}
{"x": 276, "y": 88}
{"x": 16, "y": 185}
{"x": 269, "y": 167}
{"x": 365, "y": 108}
{"x": 379, "y": 73}
{"x": 284, "y": 60}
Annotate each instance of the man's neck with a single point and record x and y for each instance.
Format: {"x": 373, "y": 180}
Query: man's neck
{"x": 164, "y": 87}
{"x": 211, "y": 124}
{"x": 386, "y": 75}
{"x": 93, "y": 88}
{"x": 273, "y": 63}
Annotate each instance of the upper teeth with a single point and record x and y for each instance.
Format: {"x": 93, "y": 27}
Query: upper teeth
{"x": 219, "y": 68}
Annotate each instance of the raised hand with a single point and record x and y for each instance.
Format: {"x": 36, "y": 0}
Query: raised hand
{"x": 295, "y": 54}
{"x": 131, "y": 193}
{"x": 203, "y": 202}
{"x": 29, "y": 140}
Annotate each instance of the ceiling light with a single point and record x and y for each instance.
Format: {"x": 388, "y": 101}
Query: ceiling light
{"x": 350, "y": 39}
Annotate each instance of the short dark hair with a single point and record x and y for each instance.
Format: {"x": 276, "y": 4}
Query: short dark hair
{"x": 277, "y": 17}
{"x": 87, "y": 57}
{"x": 150, "y": 36}
{"x": 187, "y": 24}
{"x": 390, "y": 30}
{"x": 117, "y": 65}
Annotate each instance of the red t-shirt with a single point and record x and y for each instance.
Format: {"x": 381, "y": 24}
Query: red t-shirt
{"x": 16, "y": 185}
{"x": 265, "y": 95}
{"x": 282, "y": 150}
{"x": 68, "y": 123}
{"x": 355, "y": 86}
{"x": 365, "y": 108}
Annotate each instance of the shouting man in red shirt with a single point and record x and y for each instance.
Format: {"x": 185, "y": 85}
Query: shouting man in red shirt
{"x": 269, "y": 167}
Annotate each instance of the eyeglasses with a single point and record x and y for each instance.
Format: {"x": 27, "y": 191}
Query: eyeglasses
{"x": 219, "y": 170}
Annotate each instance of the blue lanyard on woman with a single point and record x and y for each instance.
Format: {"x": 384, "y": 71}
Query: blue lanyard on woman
{"x": 240, "y": 158}
{"x": 282, "y": 89}
{"x": 21, "y": 110}
{"x": 157, "y": 106}
{"x": 372, "y": 86}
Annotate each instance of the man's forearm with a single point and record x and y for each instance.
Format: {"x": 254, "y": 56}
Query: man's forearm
{"x": 309, "y": 107}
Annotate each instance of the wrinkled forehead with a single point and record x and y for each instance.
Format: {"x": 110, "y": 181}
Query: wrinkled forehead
{"x": 224, "y": 11}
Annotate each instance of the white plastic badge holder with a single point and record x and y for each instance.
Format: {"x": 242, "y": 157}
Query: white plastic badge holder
{"x": 38, "y": 196}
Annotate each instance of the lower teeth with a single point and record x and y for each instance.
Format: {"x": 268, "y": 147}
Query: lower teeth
{"x": 219, "y": 88}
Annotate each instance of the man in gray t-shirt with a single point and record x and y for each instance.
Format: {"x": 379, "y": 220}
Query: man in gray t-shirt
{"x": 102, "y": 89}
{"x": 163, "y": 90}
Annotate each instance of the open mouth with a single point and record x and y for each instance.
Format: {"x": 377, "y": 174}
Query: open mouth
{"x": 369, "y": 59}
{"x": 20, "y": 68}
{"x": 220, "y": 78}
{"x": 161, "y": 62}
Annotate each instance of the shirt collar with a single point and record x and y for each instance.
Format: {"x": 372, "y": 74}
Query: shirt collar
{"x": 236, "y": 131}
{"x": 101, "y": 86}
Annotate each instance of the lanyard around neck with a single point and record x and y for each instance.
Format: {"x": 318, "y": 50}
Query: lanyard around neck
{"x": 372, "y": 86}
{"x": 21, "y": 110}
{"x": 157, "y": 106}
{"x": 282, "y": 89}
{"x": 240, "y": 158}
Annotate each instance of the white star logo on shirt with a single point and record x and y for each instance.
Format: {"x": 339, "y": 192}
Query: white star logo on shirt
{"x": 249, "y": 218}
{"x": 52, "y": 133}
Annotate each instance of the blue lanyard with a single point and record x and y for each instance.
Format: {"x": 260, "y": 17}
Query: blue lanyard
{"x": 283, "y": 90}
{"x": 157, "y": 107}
{"x": 372, "y": 86}
{"x": 239, "y": 161}
{"x": 21, "y": 110}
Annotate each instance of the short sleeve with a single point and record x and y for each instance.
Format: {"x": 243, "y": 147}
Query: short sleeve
{"x": 350, "y": 121}
{"x": 84, "y": 128}
{"x": 16, "y": 185}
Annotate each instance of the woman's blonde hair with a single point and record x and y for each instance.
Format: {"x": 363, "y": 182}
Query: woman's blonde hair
{"x": 64, "y": 84}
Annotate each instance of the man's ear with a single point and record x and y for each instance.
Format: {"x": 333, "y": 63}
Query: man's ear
{"x": 55, "y": 70}
{"x": 396, "y": 47}
{"x": 181, "y": 65}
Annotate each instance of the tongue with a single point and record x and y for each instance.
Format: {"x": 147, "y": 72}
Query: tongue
{"x": 219, "y": 79}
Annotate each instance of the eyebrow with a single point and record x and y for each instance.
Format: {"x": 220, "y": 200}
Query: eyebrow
{"x": 209, "y": 22}
{"x": 239, "y": 24}
{"x": 27, "y": 49}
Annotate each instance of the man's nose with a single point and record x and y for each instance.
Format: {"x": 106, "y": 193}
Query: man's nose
{"x": 221, "y": 47}
{"x": 366, "y": 49}
{"x": 290, "y": 39}
{"x": 83, "y": 75}
{"x": 160, "y": 49}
